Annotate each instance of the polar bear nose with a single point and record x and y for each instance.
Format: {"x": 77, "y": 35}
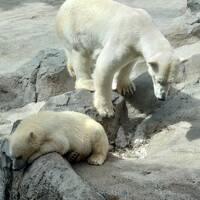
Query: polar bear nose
{"x": 18, "y": 164}
{"x": 162, "y": 97}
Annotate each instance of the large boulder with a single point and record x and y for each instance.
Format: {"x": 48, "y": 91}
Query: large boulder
{"x": 49, "y": 177}
{"x": 194, "y": 5}
{"x": 44, "y": 76}
{"x": 8, "y": 118}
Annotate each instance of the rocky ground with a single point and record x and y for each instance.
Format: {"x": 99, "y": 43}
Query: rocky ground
{"x": 157, "y": 155}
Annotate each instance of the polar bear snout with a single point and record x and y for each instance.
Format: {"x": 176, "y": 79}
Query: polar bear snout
{"x": 160, "y": 91}
{"x": 162, "y": 97}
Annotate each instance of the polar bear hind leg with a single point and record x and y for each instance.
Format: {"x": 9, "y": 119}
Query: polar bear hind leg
{"x": 82, "y": 69}
{"x": 99, "y": 148}
{"x": 124, "y": 85}
{"x": 59, "y": 145}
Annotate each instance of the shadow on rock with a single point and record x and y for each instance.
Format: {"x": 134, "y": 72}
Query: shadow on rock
{"x": 182, "y": 105}
{"x": 139, "y": 180}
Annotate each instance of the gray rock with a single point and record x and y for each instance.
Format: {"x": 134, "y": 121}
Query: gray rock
{"x": 121, "y": 140}
{"x": 50, "y": 177}
{"x": 194, "y": 5}
{"x": 134, "y": 179}
{"x": 159, "y": 8}
{"x": 9, "y": 117}
{"x": 52, "y": 77}
{"x": 44, "y": 76}
{"x": 178, "y": 106}
{"x": 81, "y": 101}
{"x": 187, "y": 51}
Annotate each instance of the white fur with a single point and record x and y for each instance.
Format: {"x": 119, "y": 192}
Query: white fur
{"x": 60, "y": 132}
{"x": 111, "y": 36}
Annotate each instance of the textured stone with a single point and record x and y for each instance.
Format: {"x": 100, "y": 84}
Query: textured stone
{"x": 50, "y": 177}
{"x": 194, "y": 5}
{"x": 8, "y": 118}
{"x": 44, "y": 76}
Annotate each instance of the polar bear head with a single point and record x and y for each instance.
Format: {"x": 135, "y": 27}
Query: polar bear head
{"x": 20, "y": 147}
{"x": 162, "y": 67}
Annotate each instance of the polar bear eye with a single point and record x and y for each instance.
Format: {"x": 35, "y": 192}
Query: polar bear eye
{"x": 154, "y": 66}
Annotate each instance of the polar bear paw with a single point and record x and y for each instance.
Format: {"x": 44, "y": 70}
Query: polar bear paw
{"x": 104, "y": 107}
{"x": 127, "y": 88}
{"x": 96, "y": 159}
{"x": 105, "y": 111}
{"x": 73, "y": 156}
{"x": 85, "y": 84}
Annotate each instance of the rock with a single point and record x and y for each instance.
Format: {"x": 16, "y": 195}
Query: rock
{"x": 5, "y": 182}
{"x": 187, "y": 51}
{"x": 183, "y": 94}
{"x": 194, "y": 5}
{"x": 49, "y": 177}
{"x": 144, "y": 179}
{"x": 8, "y": 118}
{"x": 121, "y": 140}
{"x": 56, "y": 180}
{"x": 52, "y": 77}
{"x": 178, "y": 23}
{"x": 44, "y": 76}
{"x": 188, "y": 71}
{"x": 81, "y": 101}
{"x": 156, "y": 8}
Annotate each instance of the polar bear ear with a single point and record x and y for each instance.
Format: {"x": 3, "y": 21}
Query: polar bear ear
{"x": 32, "y": 137}
{"x": 154, "y": 65}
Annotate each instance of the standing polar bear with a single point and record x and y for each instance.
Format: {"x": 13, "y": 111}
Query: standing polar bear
{"x": 111, "y": 36}
{"x": 59, "y": 132}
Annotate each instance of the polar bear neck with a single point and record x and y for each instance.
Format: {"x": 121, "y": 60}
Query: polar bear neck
{"x": 153, "y": 42}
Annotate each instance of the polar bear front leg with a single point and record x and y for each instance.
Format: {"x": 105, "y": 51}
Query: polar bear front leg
{"x": 83, "y": 70}
{"x": 103, "y": 76}
{"x": 112, "y": 58}
{"x": 124, "y": 85}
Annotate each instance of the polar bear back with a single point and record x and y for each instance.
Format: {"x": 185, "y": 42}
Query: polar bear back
{"x": 88, "y": 24}
{"x": 79, "y": 129}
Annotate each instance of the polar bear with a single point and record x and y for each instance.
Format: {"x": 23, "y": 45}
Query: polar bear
{"x": 59, "y": 132}
{"x": 111, "y": 36}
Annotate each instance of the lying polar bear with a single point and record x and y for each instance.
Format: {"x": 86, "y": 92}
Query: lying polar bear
{"x": 60, "y": 132}
{"x": 112, "y": 36}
